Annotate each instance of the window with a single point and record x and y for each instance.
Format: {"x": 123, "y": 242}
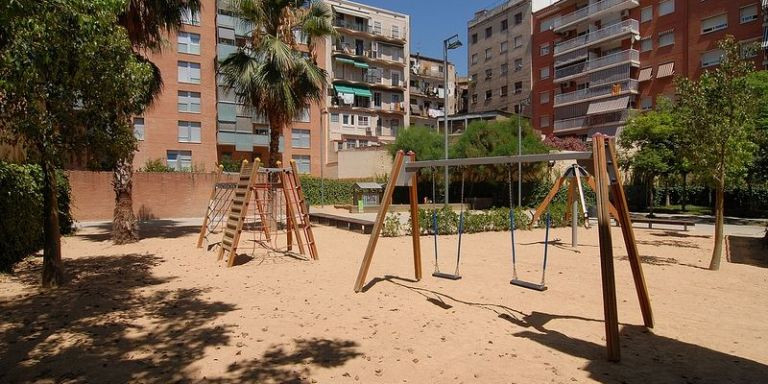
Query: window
{"x": 504, "y": 46}
{"x": 189, "y": 72}
{"x": 504, "y": 69}
{"x": 302, "y": 163}
{"x": 518, "y": 65}
{"x": 299, "y": 138}
{"x": 474, "y": 98}
{"x": 302, "y": 115}
{"x": 544, "y": 121}
{"x": 518, "y": 18}
{"x": 474, "y": 38}
{"x": 544, "y": 73}
{"x": 334, "y": 117}
{"x": 544, "y": 97}
{"x": 504, "y": 91}
{"x": 395, "y": 98}
{"x": 189, "y": 17}
{"x": 518, "y": 87}
{"x": 518, "y": 41}
{"x": 348, "y": 119}
{"x": 179, "y": 160}
{"x": 666, "y": 38}
{"x": 189, "y": 132}
{"x": 544, "y": 49}
{"x": 646, "y": 14}
{"x": 474, "y": 58}
{"x": 714, "y": 23}
{"x": 666, "y": 7}
{"x": 189, "y": 101}
{"x": 646, "y": 44}
{"x": 300, "y": 37}
{"x": 363, "y": 121}
{"x": 488, "y": 74}
{"x": 488, "y": 32}
{"x": 488, "y": 53}
{"x": 504, "y": 25}
{"x": 646, "y": 103}
{"x": 474, "y": 77}
{"x": 138, "y": 128}
{"x": 711, "y": 58}
{"x": 748, "y": 13}
{"x": 396, "y": 31}
{"x": 188, "y": 43}
{"x": 488, "y": 95}
{"x": 547, "y": 24}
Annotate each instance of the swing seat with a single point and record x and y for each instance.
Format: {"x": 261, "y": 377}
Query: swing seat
{"x": 448, "y": 276}
{"x": 529, "y": 285}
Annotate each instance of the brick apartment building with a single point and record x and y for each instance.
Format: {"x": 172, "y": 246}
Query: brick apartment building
{"x": 594, "y": 61}
{"x": 427, "y": 93}
{"x": 499, "y": 57}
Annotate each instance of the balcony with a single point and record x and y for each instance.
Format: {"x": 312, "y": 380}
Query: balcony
{"x": 579, "y": 69}
{"x": 588, "y": 94}
{"x": 223, "y": 51}
{"x": 610, "y": 32}
{"x": 427, "y": 72}
{"x": 571, "y": 124}
{"x": 593, "y": 11}
{"x": 225, "y": 21}
{"x": 390, "y": 35}
{"x": 576, "y": 55}
{"x": 586, "y": 122}
{"x": 350, "y": 50}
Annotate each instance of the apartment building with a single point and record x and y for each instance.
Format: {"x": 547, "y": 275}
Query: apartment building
{"x": 594, "y": 61}
{"x": 427, "y": 90}
{"x": 500, "y": 57}
{"x": 368, "y": 67}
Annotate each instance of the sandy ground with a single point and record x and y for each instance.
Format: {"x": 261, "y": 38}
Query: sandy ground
{"x": 162, "y": 311}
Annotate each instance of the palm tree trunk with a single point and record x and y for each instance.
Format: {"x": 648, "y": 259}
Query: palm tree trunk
{"x": 276, "y": 127}
{"x": 53, "y": 270}
{"x": 124, "y": 224}
{"x": 717, "y": 251}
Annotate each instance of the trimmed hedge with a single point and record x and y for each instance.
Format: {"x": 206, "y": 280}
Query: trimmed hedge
{"x": 335, "y": 191}
{"x": 21, "y": 204}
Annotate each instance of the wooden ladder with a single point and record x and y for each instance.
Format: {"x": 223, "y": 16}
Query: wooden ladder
{"x": 238, "y": 210}
{"x": 296, "y": 207}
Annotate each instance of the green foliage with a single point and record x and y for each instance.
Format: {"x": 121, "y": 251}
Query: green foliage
{"x": 156, "y": 165}
{"x": 334, "y": 191}
{"x": 392, "y": 225}
{"x": 230, "y": 165}
{"x": 494, "y": 219}
{"x": 425, "y": 142}
{"x": 21, "y": 204}
{"x": 758, "y": 169}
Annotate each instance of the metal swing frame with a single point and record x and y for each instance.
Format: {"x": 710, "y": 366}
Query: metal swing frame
{"x": 435, "y": 229}
{"x": 515, "y": 280}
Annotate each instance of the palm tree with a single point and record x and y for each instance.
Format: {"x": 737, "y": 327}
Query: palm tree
{"x": 269, "y": 73}
{"x": 146, "y": 22}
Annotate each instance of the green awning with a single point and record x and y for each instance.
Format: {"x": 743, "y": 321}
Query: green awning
{"x": 361, "y": 65}
{"x": 345, "y": 60}
{"x": 350, "y": 89}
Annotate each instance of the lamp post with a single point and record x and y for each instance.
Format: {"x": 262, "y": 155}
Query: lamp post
{"x": 523, "y": 104}
{"x": 452, "y": 42}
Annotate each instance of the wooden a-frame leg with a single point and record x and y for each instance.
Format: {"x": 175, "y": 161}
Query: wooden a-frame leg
{"x": 544, "y": 204}
{"x": 611, "y": 209}
{"x": 415, "y": 228}
{"x": 571, "y": 197}
{"x": 386, "y": 200}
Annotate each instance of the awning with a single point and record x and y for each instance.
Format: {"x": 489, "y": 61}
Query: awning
{"x": 357, "y": 91}
{"x": 666, "y": 70}
{"x": 361, "y": 65}
{"x": 351, "y": 12}
{"x": 345, "y": 60}
{"x": 608, "y": 106}
{"x": 226, "y": 33}
{"x": 645, "y": 74}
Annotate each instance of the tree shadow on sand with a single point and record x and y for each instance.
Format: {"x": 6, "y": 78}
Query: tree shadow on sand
{"x": 646, "y": 357}
{"x": 155, "y": 229}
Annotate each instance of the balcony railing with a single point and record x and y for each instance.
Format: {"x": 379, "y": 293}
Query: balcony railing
{"x": 366, "y": 52}
{"x": 428, "y": 72}
{"x": 628, "y": 85}
{"x": 369, "y": 29}
{"x": 571, "y": 124}
{"x": 584, "y": 122}
{"x": 576, "y": 55}
{"x": 592, "y": 10}
{"x": 626, "y": 26}
{"x": 601, "y": 62}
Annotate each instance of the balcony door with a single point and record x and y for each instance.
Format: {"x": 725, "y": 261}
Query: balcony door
{"x": 395, "y": 79}
{"x": 377, "y": 99}
{"x": 359, "y": 45}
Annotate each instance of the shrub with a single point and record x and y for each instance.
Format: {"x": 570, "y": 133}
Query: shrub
{"x": 392, "y": 226}
{"x": 21, "y": 204}
{"x": 230, "y": 165}
{"x": 334, "y": 191}
{"x": 156, "y": 165}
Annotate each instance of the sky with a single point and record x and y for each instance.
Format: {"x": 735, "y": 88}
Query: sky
{"x": 433, "y": 21}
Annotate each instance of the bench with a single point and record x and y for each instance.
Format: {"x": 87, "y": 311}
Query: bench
{"x": 657, "y": 220}
{"x": 348, "y": 223}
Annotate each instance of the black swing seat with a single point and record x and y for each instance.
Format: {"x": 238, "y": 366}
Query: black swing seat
{"x": 529, "y": 285}
{"x": 448, "y": 276}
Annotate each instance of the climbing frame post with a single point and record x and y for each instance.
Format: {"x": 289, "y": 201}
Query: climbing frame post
{"x": 415, "y": 228}
{"x": 238, "y": 210}
{"x": 211, "y": 207}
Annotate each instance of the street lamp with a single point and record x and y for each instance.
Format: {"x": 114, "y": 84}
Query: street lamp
{"x": 452, "y": 42}
{"x": 523, "y": 104}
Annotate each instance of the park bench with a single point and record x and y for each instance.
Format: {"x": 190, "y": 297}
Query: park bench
{"x": 348, "y": 223}
{"x": 657, "y": 220}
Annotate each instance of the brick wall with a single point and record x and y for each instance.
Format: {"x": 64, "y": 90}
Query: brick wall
{"x": 155, "y": 195}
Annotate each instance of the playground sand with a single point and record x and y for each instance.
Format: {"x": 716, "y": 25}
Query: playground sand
{"x": 162, "y": 311}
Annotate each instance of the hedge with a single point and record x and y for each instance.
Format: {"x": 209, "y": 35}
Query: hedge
{"x": 334, "y": 191}
{"x": 21, "y": 204}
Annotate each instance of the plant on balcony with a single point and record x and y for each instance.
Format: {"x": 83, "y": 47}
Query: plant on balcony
{"x": 270, "y": 72}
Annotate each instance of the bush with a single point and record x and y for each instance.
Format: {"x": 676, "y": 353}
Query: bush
{"x": 156, "y": 165}
{"x": 392, "y": 226}
{"x": 21, "y": 204}
{"x": 335, "y": 191}
{"x": 495, "y": 219}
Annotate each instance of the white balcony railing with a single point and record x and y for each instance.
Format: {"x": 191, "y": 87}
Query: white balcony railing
{"x": 571, "y": 124}
{"x": 579, "y": 54}
{"x": 601, "y": 62}
{"x": 623, "y": 27}
{"x": 590, "y": 11}
{"x": 627, "y": 85}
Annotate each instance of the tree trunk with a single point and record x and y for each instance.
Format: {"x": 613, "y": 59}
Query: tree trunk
{"x": 666, "y": 194}
{"x": 53, "y": 270}
{"x": 125, "y": 228}
{"x": 684, "y": 197}
{"x": 717, "y": 252}
{"x": 652, "y": 197}
{"x": 276, "y": 127}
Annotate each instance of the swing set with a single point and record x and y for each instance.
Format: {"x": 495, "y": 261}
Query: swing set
{"x": 607, "y": 185}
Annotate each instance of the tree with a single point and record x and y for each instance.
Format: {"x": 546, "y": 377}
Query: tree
{"x": 425, "y": 142}
{"x": 652, "y": 141}
{"x": 717, "y": 115}
{"x": 758, "y": 169}
{"x": 69, "y": 81}
{"x": 146, "y": 23}
{"x": 270, "y": 73}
